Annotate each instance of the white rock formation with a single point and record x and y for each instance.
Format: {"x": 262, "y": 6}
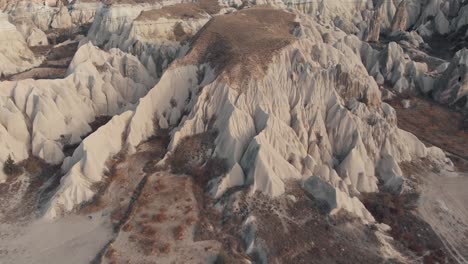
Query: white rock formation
{"x": 41, "y": 116}
{"x": 15, "y": 56}
{"x": 33, "y": 35}
{"x": 37, "y": 37}
{"x": 313, "y": 111}
{"x": 84, "y": 11}
{"x": 356, "y": 17}
{"x": 62, "y": 18}
{"x": 47, "y": 15}
{"x": 154, "y": 33}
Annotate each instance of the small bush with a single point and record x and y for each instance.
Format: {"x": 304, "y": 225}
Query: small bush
{"x": 159, "y": 218}
{"x": 10, "y": 168}
{"x": 166, "y": 248}
{"x": 179, "y": 232}
{"x": 223, "y": 258}
{"x": 34, "y": 165}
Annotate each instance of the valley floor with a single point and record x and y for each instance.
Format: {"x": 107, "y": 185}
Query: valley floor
{"x": 444, "y": 205}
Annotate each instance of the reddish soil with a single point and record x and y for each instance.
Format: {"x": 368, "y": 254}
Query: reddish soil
{"x": 436, "y": 125}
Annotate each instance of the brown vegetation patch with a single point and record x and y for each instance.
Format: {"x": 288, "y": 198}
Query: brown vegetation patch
{"x": 304, "y": 234}
{"x": 21, "y": 198}
{"x": 179, "y": 232}
{"x": 407, "y": 228}
{"x": 242, "y": 44}
{"x": 192, "y": 156}
{"x": 210, "y": 6}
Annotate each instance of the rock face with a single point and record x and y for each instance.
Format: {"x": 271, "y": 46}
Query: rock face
{"x": 285, "y": 101}
{"x": 42, "y": 117}
{"x": 83, "y": 12}
{"x": 373, "y": 32}
{"x": 15, "y": 56}
{"x": 31, "y": 17}
{"x": 400, "y": 20}
{"x": 452, "y": 87}
{"x": 62, "y": 18}
{"x": 155, "y": 34}
{"x": 323, "y": 115}
{"x": 37, "y": 38}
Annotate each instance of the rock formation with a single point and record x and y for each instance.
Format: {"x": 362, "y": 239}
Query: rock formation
{"x": 15, "y": 56}
{"x": 452, "y": 87}
{"x": 185, "y": 129}
{"x": 322, "y": 112}
{"x": 98, "y": 84}
{"x": 400, "y": 20}
{"x": 373, "y": 32}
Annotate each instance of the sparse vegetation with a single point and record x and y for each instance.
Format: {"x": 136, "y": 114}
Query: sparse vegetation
{"x": 179, "y": 232}
{"x": 407, "y": 228}
{"x": 193, "y": 157}
{"x": 223, "y": 258}
{"x": 34, "y": 165}
{"x": 165, "y": 248}
{"x": 10, "y": 168}
{"x": 159, "y": 218}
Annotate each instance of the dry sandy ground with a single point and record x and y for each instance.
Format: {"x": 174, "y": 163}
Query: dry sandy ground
{"x": 69, "y": 240}
{"x": 161, "y": 225}
{"x": 444, "y": 205}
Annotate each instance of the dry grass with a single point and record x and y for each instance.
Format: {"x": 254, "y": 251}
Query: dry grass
{"x": 182, "y": 11}
{"x": 242, "y": 44}
{"x": 407, "y": 228}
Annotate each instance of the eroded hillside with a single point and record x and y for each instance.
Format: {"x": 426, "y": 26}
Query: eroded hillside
{"x": 233, "y": 131}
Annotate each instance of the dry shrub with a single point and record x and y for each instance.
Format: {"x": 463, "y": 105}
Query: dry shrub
{"x": 159, "y": 218}
{"x": 10, "y": 167}
{"x": 159, "y": 186}
{"x": 147, "y": 246}
{"x": 191, "y": 152}
{"x": 224, "y": 258}
{"x": 407, "y": 228}
{"x": 132, "y": 238}
{"x": 192, "y": 156}
{"x": 144, "y": 215}
{"x": 117, "y": 215}
{"x": 127, "y": 227}
{"x": 191, "y": 220}
{"x": 148, "y": 230}
{"x": 110, "y": 252}
{"x": 179, "y": 232}
{"x": 34, "y": 165}
{"x": 165, "y": 248}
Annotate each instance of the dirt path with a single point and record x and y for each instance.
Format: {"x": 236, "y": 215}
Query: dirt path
{"x": 444, "y": 205}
